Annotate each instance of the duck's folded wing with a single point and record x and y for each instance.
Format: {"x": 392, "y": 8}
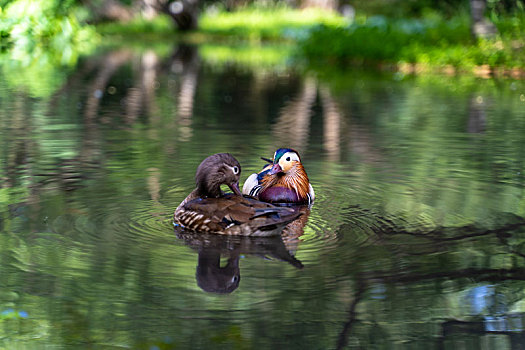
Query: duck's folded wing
{"x": 275, "y": 211}
{"x": 235, "y": 215}
{"x": 222, "y": 211}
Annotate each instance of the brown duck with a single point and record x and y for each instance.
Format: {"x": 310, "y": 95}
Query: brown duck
{"x": 208, "y": 209}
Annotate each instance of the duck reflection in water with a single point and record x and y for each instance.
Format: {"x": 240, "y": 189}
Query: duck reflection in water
{"x": 214, "y": 278}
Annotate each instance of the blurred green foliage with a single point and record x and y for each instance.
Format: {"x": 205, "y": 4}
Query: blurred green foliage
{"x": 40, "y": 38}
{"x": 430, "y": 41}
{"x": 419, "y": 8}
{"x": 263, "y": 23}
{"x": 270, "y": 56}
{"x": 32, "y": 27}
{"x": 161, "y": 27}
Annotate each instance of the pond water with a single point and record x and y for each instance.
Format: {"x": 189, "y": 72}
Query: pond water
{"x": 417, "y": 236}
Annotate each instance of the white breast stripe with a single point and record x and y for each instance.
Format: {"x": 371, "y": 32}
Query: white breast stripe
{"x": 255, "y": 190}
{"x": 311, "y": 192}
{"x": 249, "y": 184}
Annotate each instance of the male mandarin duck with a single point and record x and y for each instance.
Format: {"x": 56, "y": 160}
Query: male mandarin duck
{"x": 284, "y": 180}
{"x": 208, "y": 209}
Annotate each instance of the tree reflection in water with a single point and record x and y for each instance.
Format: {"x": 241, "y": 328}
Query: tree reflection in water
{"x": 416, "y": 236}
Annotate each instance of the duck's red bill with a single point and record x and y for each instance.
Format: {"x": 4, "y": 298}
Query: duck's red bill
{"x": 276, "y": 169}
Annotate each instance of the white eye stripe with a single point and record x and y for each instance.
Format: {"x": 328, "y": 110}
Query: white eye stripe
{"x": 290, "y": 157}
{"x": 235, "y": 169}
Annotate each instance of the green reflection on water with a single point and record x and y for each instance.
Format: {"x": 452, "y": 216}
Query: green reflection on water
{"x": 416, "y": 236}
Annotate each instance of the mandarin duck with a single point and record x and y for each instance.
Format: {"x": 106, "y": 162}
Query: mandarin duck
{"x": 207, "y": 209}
{"x": 283, "y": 180}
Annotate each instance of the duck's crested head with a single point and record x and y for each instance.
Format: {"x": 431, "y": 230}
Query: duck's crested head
{"x": 282, "y": 151}
{"x": 218, "y": 169}
{"x": 284, "y": 159}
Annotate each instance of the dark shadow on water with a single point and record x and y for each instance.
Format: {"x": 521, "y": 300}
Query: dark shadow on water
{"x": 455, "y": 331}
{"x": 490, "y": 310}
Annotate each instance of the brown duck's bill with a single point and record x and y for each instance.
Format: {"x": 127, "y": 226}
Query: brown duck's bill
{"x": 235, "y": 188}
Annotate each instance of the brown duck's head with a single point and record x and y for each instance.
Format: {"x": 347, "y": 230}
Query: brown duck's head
{"x": 218, "y": 169}
{"x": 214, "y": 278}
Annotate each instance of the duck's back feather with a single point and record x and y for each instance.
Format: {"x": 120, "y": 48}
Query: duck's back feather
{"x": 234, "y": 215}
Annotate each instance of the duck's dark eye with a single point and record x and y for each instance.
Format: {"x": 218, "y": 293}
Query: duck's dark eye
{"x": 287, "y": 159}
{"x": 235, "y": 170}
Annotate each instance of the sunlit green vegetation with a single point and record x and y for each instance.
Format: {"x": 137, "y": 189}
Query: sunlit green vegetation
{"x": 41, "y": 43}
{"x": 431, "y": 42}
{"x": 52, "y": 35}
{"x": 161, "y": 27}
{"x": 275, "y": 23}
{"x": 31, "y": 28}
{"x": 272, "y": 56}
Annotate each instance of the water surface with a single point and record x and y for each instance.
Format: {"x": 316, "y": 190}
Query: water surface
{"x": 416, "y": 237}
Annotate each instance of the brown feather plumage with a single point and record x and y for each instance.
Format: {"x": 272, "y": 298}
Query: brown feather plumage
{"x": 207, "y": 209}
{"x": 235, "y": 215}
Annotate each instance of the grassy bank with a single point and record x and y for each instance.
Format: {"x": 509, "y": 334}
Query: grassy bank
{"x": 431, "y": 43}
{"x": 159, "y": 28}
{"x": 427, "y": 44}
{"x": 275, "y": 23}
{"x": 260, "y": 23}
{"x": 30, "y": 31}
{"x": 252, "y": 57}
